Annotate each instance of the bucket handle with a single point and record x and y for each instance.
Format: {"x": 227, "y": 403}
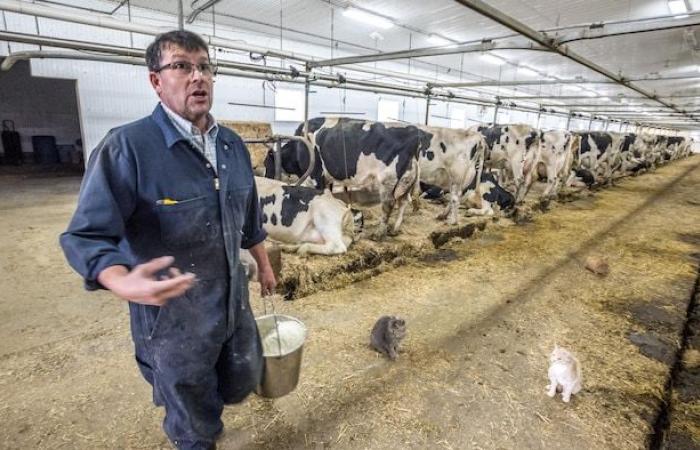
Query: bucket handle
{"x": 6, "y": 127}
{"x": 274, "y": 315}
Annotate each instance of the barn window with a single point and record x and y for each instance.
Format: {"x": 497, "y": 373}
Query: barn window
{"x": 289, "y": 105}
{"x": 387, "y": 110}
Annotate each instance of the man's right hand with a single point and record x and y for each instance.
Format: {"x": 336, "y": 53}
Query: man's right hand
{"x": 140, "y": 285}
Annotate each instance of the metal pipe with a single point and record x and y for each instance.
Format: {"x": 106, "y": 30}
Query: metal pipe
{"x": 551, "y": 82}
{"x": 431, "y": 51}
{"x": 245, "y": 71}
{"x": 685, "y": 24}
{"x": 114, "y": 24}
{"x": 193, "y": 15}
{"x": 495, "y": 111}
{"x": 519, "y": 27}
{"x": 13, "y": 58}
{"x": 427, "y": 108}
{"x": 180, "y": 16}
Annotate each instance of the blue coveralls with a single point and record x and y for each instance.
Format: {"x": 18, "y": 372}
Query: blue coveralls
{"x": 201, "y": 350}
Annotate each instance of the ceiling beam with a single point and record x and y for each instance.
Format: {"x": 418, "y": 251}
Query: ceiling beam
{"x": 564, "y": 50}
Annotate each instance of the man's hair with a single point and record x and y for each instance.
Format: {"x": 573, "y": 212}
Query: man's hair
{"x": 184, "y": 39}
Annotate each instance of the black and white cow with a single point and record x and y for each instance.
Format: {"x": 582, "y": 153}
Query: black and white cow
{"x": 359, "y": 155}
{"x": 452, "y": 162}
{"x": 304, "y": 219}
{"x": 515, "y": 149}
{"x": 675, "y": 147}
{"x": 557, "y": 155}
{"x": 596, "y": 153}
{"x": 481, "y": 201}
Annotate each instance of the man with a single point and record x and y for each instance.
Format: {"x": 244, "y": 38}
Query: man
{"x": 175, "y": 183}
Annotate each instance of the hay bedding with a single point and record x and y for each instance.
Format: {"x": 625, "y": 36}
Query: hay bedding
{"x": 252, "y": 130}
{"x": 421, "y": 234}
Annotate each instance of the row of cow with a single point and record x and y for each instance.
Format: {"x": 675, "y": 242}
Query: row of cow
{"x": 393, "y": 164}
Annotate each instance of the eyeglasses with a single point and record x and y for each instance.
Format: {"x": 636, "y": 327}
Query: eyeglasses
{"x": 185, "y": 68}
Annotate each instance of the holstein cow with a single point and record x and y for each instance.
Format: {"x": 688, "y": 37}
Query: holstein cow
{"x": 515, "y": 149}
{"x": 360, "y": 155}
{"x": 557, "y": 156}
{"x": 304, "y": 219}
{"x": 596, "y": 153}
{"x": 481, "y": 201}
{"x": 676, "y": 147}
{"x": 452, "y": 162}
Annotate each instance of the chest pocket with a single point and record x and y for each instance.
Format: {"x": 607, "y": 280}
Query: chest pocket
{"x": 189, "y": 222}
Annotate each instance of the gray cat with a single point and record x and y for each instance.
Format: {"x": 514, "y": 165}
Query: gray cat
{"x": 387, "y": 334}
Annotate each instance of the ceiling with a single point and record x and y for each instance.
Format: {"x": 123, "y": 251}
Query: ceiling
{"x": 658, "y": 54}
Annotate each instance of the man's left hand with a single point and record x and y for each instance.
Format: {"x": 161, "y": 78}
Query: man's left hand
{"x": 267, "y": 282}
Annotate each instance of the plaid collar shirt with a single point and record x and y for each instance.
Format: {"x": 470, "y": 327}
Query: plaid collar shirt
{"x": 204, "y": 142}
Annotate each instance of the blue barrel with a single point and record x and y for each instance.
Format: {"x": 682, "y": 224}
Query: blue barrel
{"x": 45, "y": 151}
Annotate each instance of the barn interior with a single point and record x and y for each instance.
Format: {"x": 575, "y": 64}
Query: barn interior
{"x": 485, "y": 300}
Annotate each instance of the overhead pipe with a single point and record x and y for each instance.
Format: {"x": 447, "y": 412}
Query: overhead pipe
{"x": 13, "y": 58}
{"x": 499, "y": 17}
{"x": 478, "y": 46}
{"x": 262, "y": 72}
{"x": 114, "y": 24}
{"x": 495, "y": 83}
{"x": 200, "y": 9}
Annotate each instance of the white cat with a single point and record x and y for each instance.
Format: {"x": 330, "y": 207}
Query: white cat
{"x": 564, "y": 373}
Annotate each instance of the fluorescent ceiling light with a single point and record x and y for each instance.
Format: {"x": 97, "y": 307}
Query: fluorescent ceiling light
{"x": 493, "y": 59}
{"x": 437, "y": 40}
{"x": 368, "y": 18}
{"x": 677, "y": 6}
{"x": 527, "y": 71}
{"x": 682, "y": 16}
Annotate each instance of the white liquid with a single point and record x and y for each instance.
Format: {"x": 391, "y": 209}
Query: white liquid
{"x": 291, "y": 337}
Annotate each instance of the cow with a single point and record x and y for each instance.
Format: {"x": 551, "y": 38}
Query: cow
{"x": 452, "y": 161}
{"x": 675, "y": 147}
{"x": 515, "y": 149}
{"x": 481, "y": 201}
{"x": 356, "y": 154}
{"x": 304, "y": 219}
{"x": 557, "y": 157}
{"x": 596, "y": 153}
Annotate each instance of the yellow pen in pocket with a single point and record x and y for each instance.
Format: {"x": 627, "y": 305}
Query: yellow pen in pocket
{"x": 166, "y": 201}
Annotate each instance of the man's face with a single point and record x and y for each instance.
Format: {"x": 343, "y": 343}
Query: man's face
{"x": 189, "y": 95}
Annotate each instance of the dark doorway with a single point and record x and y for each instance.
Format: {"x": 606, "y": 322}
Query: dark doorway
{"x": 41, "y": 116}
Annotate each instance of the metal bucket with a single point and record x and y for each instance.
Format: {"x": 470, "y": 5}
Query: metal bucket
{"x": 283, "y": 341}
